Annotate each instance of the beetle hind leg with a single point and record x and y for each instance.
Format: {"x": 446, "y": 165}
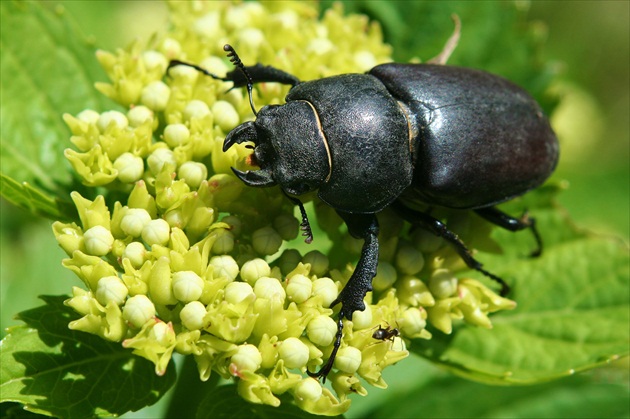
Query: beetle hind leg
{"x": 498, "y": 217}
{"x": 439, "y": 229}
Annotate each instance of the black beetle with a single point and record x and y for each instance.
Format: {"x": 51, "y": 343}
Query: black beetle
{"x": 447, "y": 136}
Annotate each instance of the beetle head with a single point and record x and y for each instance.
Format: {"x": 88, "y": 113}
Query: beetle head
{"x": 289, "y": 148}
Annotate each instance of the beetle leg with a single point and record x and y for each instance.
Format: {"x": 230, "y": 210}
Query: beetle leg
{"x": 261, "y": 73}
{"x": 175, "y": 63}
{"x": 439, "y": 229}
{"x": 498, "y": 217}
{"x": 305, "y": 226}
{"x": 360, "y": 226}
{"x": 258, "y": 74}
{"x": 325, "y": 370}
{"x": 363, "y": 226}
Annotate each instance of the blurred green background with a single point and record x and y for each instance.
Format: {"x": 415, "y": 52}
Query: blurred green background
{"x": 587, "y": 46}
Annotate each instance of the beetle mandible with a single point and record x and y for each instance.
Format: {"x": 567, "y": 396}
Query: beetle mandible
{"x": 447, "y": 136}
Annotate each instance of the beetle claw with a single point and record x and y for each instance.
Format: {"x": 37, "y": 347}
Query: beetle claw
{"x": 243, "y": 133}
{"x": 259, "y": 178}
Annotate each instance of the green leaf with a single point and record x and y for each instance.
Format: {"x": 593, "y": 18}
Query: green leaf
{"x": 58, "y": 372}
{"x": 225, "y": 403}
{"x": 47, "y": 69}
{"x": 37, "y": 201}
{"x": 572, "y": 313}
{"x": 574, "y": 397}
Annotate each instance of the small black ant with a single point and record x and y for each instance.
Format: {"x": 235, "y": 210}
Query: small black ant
{"x": 387, "y": 333}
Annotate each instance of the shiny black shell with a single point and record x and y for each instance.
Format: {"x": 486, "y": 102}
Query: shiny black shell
{"x": 479, "y": 139}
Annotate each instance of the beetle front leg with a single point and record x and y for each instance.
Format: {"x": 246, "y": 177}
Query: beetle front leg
{"x": 363, "y": 226}
{"x": 258, "y": 73}
{"x": 360, "y": 226}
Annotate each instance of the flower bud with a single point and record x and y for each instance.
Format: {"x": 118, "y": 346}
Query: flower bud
{"x": 321, "y": 330}
{"x": 413, "y": 322}
{"x": 318, "y": 261}
{"x": 68, "y": 236}
{"x": 176, "y": 135}
{"x": 138, "y": 310}
{"x": 170, "y": 48}
{"x": 192, "y": 173}
{"x": 175, "y": 218}
{"x": 224, "y": 243}
{"x": 348, "y": 359}
{"x": 225, "y": 189}
{"x": 98, "y": 241}
{"x": 254, "y": 269}
{"x": 136, "y": 253}
{"x": 288, "y": 260}
{"x": 299, "y": 288}
{"x": 239, "y": 292}
{"x": 442, "y": 283}
{"x": 412, "y": 291}
{"x": 187, "y": 286}
{"x": 225, "y": 115}
{"x": 409, "y": 260}
{"x": 192, "y": 315}
{"x": 160, "y": 282}
{"x": 287, "y": 226}
{"x": 156, "y": 232}
{"x": 155, "y": 95}
{"x": 308, "y": 389}
{"x": 385, "y": 277}
{"x": 362, "y": 319}
{"x": 130, "y": 168}
{"x": 111, "y": 118}
{"x": 269, "y": 288}
{"x": 266, "y": 241}
{"x": 196, "y": 109}
{"x": 224, "y": 266}
{"x": 134, "y": 221}
{"x": 159, "y": 158}
{"x": 246, "y": 358}
{"x": 201, "y": 219}
{"x": 154, "y": 60}
{"x": 364, "y": 60}
{"x": 141, "y": 198}
{"x": 111, "y": 288}
{"x": 327, "y": 289}
{"x": 427, "y": 242}
{"x": 89, "y": 116}
{"x": 294, "y": 353}
{"x": 138, "y": 115}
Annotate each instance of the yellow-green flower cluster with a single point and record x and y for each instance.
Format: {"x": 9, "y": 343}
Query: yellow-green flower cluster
{"x": 178, "y": 256}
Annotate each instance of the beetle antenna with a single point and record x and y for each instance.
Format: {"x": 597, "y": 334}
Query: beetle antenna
{"x": 234, "y": 58}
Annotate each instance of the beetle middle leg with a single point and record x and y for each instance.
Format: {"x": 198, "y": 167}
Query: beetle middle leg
{"x": 439, "y": 229}
{"x": 498, "y": 217}
{"x": 360, "y": 226}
